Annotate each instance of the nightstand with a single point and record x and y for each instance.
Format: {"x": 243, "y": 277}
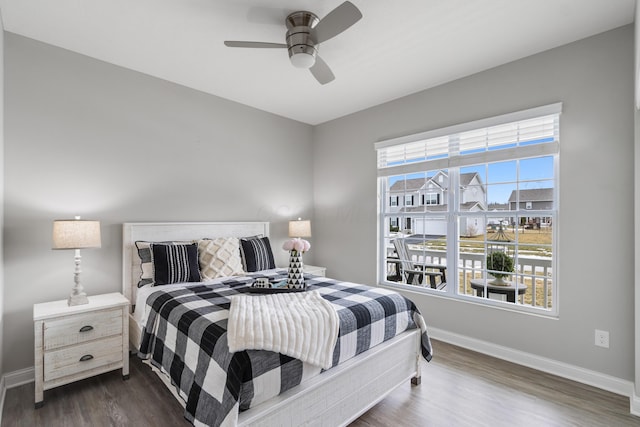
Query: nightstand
{"x": 312, "y": 269}
{"x": 72, "y": 343}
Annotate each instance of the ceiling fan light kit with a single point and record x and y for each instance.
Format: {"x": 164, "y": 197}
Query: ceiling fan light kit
{"x": 303, "y": 56}
{"x": 304, "y": 34}
{"x": 300, "y": 41}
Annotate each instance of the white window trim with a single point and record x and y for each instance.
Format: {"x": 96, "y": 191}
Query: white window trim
{"x": 520, "y": 152}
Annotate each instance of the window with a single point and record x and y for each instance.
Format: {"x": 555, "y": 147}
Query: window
{"x": 430, "y": 199}
{"x": 488, "y": 210}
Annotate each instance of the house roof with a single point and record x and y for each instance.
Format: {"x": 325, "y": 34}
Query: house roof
{"x": 498, "y": 206}
{"x": 468, "y": 206}
{"x": 466, "y": 178}
{"x": 533, "y": 195}
{"x": 413, "y": 184}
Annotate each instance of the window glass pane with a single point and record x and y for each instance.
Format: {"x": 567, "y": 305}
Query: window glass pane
{"x": 501, "y": 229}
{"x": 415, "y": 194}
{"x": 535, "y": 271}
{"x": 417, "y": 259}
{"x": 473, "y": 192}
{"x": 502, "y": 196}
{"x": 429, "y": 252}
{"x": 502, "y": 172}
{"x": 470, "y": 260}
{"x": 536, "y": 168}
{"x": 536, "y": 195}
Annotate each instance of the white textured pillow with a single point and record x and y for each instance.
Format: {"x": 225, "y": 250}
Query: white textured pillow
{"x": 220, "y": 257}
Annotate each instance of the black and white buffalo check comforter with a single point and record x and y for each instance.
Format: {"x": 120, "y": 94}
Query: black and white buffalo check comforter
{"x": 185, "y": 336}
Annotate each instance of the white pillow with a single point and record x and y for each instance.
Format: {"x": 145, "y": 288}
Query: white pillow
{"x": 219, "y": 257}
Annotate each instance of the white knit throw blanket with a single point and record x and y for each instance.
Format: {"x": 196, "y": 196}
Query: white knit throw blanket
{"x": 298, "y": 324}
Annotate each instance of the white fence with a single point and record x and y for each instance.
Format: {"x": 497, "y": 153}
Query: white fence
{"x": 535, "y": 272}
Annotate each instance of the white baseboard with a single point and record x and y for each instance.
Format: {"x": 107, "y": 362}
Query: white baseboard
{"x": 3, "y": 393}
{"x": 14, "y": 379}
{"x": 635, "y": 404}
{"x": 561, "y": 369}
{"x": 17, "y": 378}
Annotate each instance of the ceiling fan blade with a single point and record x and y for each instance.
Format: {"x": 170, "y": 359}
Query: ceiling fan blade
{"x": 322, "y": 72}
{"x": 338, "y": 20}
{"x": 259, "y": 45}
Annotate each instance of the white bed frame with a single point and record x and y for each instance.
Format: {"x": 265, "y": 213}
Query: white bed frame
{"x": 336, "y": 397}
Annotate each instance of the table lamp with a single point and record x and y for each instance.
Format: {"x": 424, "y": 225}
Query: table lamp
{"x": 300, "y": 228}
{"x": 76, "y": 234}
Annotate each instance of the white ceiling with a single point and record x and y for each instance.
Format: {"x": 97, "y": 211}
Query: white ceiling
{"x": 397, "y": 48}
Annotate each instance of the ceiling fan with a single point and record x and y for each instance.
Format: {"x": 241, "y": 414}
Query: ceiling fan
{"x": 305, "y": 32}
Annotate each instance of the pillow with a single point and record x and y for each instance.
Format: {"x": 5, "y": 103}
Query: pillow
{"x": 175, "y": 263}
{"x": 256, "y": 254}
{"x": 144, "y": 259}
{"x": 219, "y": 257}
{"x": 144, "y": 253}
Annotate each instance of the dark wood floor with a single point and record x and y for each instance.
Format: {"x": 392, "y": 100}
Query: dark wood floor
{"x": 459, "y": 388}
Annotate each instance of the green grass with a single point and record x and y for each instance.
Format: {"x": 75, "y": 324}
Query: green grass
{"x": 532, "y": 242}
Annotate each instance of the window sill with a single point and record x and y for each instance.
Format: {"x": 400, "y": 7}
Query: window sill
{"x": 469, "y": 299}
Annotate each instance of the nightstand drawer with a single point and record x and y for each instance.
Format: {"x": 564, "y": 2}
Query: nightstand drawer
{"x": 81, "y": 328}
{"x": 78, "y": 358}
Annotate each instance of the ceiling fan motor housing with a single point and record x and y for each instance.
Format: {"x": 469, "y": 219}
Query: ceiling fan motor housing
{"x": 300, "y": 40}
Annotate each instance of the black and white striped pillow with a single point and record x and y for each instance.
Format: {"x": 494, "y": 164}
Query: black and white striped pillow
{"x": 256, "y": 254}
{"x": 146, "y": 266}
{"x": 175, "y": 263}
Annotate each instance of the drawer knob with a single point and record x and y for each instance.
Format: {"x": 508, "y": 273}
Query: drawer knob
{"x": 86, "y": 357}
{"x": 86, "y": 328}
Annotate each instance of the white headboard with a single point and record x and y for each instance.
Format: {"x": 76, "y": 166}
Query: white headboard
{"x": 174, "y": 231}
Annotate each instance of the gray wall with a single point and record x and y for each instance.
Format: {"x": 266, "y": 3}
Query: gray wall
{"x": 87, "y": 138}
{"x": 637, "y": 256}
{"x": 594, "y": 80}
{"x": 636, "y": 399}
{"x": 2, "y": 371}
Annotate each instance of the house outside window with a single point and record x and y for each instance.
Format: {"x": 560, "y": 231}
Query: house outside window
{"x": 496, "y": 200}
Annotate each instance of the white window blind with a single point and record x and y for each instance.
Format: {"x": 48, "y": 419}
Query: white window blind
{"x": 530, "y": 127}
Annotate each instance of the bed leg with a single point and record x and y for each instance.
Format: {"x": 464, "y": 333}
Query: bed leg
{"x": 417, "y": 379}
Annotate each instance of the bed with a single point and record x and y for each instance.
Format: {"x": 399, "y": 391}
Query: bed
{"x": 335, "y": 396}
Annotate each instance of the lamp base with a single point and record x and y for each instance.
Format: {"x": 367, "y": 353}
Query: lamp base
{"x": 78, "y": 299}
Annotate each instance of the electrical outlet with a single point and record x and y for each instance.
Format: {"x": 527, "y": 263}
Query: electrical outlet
{"x": 602, "y": 338}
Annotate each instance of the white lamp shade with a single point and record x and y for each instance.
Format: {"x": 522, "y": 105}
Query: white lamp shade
{"x": 76, "y": 234}
{"x": 300, "y": 228}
